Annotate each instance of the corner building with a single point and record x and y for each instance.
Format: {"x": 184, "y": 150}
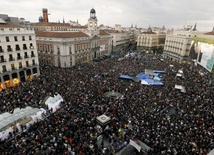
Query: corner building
{"x": 18, "y": 54}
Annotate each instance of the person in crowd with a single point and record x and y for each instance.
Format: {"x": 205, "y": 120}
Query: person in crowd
{"x": 168, "y": 121}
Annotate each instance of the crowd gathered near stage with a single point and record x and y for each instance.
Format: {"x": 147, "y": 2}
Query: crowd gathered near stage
{"x": 143, "y": 113}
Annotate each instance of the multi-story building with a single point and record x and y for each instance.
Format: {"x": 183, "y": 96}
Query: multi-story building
{"x": 177, "y": 45}
{"x": 120, "y": 38}
{"x": 18, "y": 54}
{"x": 68, "y": 48}
{"x": 149, "y": 41}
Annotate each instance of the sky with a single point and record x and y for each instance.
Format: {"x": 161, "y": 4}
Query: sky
{"x": 141, "y": 13}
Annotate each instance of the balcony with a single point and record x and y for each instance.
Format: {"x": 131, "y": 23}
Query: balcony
{"x": 3, "y": 60}
{"x": 26, "y": 56}
{"x": 1, "y": 50}
{"x": 11, "y": 59}
{"x": 32, "y": 55}
{"x": 9, "y": 49}
{"x": 17, "y": 49}
{"x": 24, "y": 48}
{"x": 4, "y": 70}
{"x": 20, "y": 67}
{"x": 14, "y": 68}
{"x": 18, "y": 58}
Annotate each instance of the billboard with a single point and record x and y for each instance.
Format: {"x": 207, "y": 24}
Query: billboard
{"x": 203, "y": 54}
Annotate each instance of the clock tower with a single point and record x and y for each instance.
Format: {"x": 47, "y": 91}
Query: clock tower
{"x": 92, "y": 23}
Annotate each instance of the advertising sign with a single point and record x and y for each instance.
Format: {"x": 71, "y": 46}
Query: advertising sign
{"x": 203, "y": 54}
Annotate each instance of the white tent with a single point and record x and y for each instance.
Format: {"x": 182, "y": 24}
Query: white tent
{"x": 54, "y": 102}
{"x": 181, "y": 88}
{"x": 211, "y": 152}
{"x": 25, "y": 116}
{"x": 179, "y": 75}
{"x": 144, "y": 82}
{"x": 180, "y": 71}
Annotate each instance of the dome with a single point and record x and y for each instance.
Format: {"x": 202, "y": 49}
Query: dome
{"x": 92, "y": 10}
{"x": 40, "y": 19}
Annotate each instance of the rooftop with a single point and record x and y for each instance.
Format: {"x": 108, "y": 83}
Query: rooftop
{"x": 65, "y": 34}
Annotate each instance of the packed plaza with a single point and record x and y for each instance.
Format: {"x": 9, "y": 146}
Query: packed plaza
{"x": 165, "y": 119}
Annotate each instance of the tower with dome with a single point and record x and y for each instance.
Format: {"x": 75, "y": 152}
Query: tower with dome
{"x": 92, "y": 23}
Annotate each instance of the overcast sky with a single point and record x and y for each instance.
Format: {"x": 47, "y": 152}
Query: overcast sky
{"x": 143, "y": 13}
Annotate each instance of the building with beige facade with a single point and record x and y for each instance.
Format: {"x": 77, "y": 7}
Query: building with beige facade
{"x": 18, "y": 54}
{"x": 177, "y": 45}
{"x": 151, "y": 42}
{"x": 120, "y": 38}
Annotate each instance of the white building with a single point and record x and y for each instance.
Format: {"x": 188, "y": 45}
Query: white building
{"x": 120, "y": 39}
{"x": 18, "y": 54}
{"x": 177, "y": 45}
{"x": 69, "y": 48}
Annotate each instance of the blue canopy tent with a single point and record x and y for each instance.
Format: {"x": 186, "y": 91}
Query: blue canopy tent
{"x": 126, "y": 77}
{"x": 157, "y": 78}
{"x": 142, "y": 76}
{"x": 159, "y": 71}
{"x": 155, "y": 74}
{"x": 152, "y": 82}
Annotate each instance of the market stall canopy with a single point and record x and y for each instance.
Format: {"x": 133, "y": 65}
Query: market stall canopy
{"x": 7, "y": 119}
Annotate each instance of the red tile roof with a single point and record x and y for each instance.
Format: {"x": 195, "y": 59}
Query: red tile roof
{"x": 210, "y": 33}
{"x": 57, "y": 24}
{"x": 65, "y": 34}
{"x": 50, "y": 24}
{"x": 103, "y": 33}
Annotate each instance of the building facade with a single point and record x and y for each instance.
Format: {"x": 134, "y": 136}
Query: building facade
{"x": 177, "y": 45}
{"x": 69, "y": 48}
{"x": 151, "y": 42}
{"x": 18, "y": 54}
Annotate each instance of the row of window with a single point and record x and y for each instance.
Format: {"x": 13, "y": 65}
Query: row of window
{"x": 19, "y": 57}
{"x": 20, "y": 65}
{"x": 82, "y": 47}
{"x": 17, "y": 48}
{"x": 46, "y": 48}
{"x": 16, "y": 29}
{"x": 15, "y": 38}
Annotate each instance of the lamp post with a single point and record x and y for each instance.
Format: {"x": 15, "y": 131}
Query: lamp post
{"x": 112, "y": 46}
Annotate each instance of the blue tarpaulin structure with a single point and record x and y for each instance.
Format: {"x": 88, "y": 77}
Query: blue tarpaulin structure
{"x": 125, "y": 77}
{"x": 155, "y": 74}
{"x": 157, "y": 78}
{"x": 152, "y": 82}
{"x": 142, "y": 76}
{"x": 159, "y": 71}
{"x": 145, "y": 78}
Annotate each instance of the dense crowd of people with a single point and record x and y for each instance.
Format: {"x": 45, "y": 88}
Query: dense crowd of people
{"x": 142, "y": 113}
